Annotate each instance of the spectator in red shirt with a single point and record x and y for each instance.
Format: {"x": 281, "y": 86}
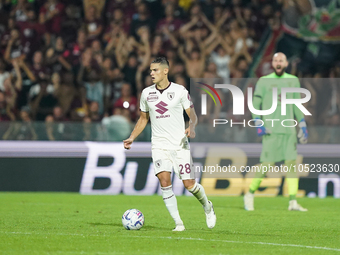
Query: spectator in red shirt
{"x": 51, "y": 14}
{"x": 77, "y": 48}
{"x": 57, "y": 57}
{"x": 127, "y": 101}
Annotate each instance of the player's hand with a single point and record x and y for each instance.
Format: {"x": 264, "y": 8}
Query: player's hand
{"x": 303, "y": 132}
{"x": 261, "y": 130}
{"x": 127, "y": 143}
{"x": 190, "y": 132}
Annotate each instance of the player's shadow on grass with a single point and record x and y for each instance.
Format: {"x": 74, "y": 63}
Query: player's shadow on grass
{"x": 228, "y": 233}
{"x": 149, "y": 227}
{"x": 231, "y": 207}
{"x": 146, "y": 227}
{"x": 105, "y": 224}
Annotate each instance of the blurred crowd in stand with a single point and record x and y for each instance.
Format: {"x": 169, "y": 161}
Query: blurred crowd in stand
{"x": 87, "y": 61}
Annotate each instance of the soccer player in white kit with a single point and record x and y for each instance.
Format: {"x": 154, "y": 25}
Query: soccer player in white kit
{"x": 163, "y": 102}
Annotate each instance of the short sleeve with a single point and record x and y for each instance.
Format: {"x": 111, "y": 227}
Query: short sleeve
{"x": 186, "y": 100}
{"x": 143, "y": 105}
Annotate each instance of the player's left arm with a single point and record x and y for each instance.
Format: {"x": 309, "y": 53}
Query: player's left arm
{"x": 190, "y": 111}
{"x": 303, "y": 132}
{"x": 190, "y": 131}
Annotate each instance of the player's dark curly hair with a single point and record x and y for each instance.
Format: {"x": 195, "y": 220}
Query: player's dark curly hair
{"x": 161, "y": 60}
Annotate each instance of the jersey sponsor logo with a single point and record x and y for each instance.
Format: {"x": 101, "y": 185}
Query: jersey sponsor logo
{"x": 163, "y": 116}
{"x": 150, "y": 93}
{"x": 152, "y": 98}
{"x": 161, "y": 107}
{"x": 171, "y": 95}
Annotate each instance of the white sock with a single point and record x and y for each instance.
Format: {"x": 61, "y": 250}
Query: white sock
{"x": 170, "y": 201}
{"x": 198, "y": 192}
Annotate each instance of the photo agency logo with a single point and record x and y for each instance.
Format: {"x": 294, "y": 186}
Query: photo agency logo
{"x": 282, "y": 99}
{"x": 204, "y": 97}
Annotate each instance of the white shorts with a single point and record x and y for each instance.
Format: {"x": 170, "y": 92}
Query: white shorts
{"x": 179, "y": 160}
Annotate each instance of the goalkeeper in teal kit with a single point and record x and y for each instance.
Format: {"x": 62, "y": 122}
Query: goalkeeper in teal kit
{"x": 278, "y": 141}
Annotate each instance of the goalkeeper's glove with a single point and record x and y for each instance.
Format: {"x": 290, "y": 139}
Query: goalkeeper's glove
{"x": 303, "y": 132}
{"x": 261, "y": 130}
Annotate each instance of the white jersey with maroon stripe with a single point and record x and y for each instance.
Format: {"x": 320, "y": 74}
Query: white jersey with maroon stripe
{"x": 165, "y": 108}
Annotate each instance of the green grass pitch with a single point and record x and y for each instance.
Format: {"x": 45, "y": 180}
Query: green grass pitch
{"x": 69, "y": 223}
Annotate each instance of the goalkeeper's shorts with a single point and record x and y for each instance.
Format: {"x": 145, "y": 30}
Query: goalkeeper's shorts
{"x": 278, "y": 147}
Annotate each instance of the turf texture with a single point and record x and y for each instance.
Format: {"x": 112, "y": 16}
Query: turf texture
{"x": 69, "y": 223}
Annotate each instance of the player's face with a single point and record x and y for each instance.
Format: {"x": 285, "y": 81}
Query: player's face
{"x": 279, "y": 63}
{"x": 157, "y": 72}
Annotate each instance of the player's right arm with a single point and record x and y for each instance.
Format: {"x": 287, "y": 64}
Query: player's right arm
{"x": 303, "y": 132}
{"x": 297, "y": 112}
{"x": 141, "y": 124}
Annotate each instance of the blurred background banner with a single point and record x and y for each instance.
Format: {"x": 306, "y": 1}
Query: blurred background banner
{"x": 106, "y": 168}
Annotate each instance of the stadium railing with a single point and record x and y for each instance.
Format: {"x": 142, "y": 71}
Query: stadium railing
{"x": 118, "y": 131}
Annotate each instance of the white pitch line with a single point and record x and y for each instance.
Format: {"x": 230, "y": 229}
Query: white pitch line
{"x": 182, "y": 238}
{"x": 57, "y": 234}
{"x": 231, "y": 241}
